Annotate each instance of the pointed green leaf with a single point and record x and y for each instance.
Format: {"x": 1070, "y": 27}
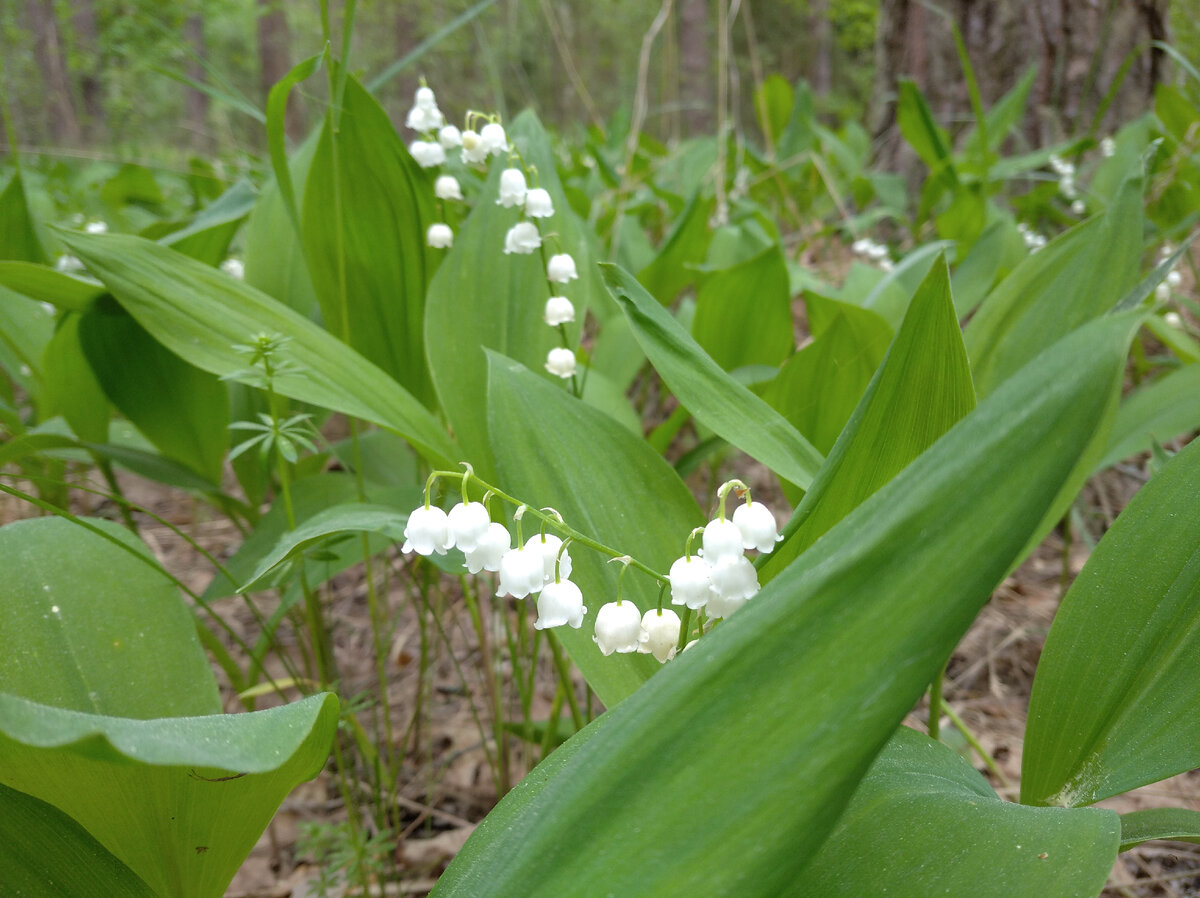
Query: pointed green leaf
{"x": 744, "y": 312}
{"x": 1114, "y": 702}
{"x": 607, "y": 483}
{"x": 715, "y": 398}
{"x": 47, "y": 285}
{"x": 1162, "y": 410}
{"x": 935, "y": 827}
{"x": 767, "y": 703}
{"x": 200, "y": 314}
{"x": 70, "y": 387}
{"x": 18, "y": 237}
{"x": 684, "y": 248}
{"x": 1175, "y": 824}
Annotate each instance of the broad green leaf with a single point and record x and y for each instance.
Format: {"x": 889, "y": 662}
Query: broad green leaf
{"x": 207, "y": 236}
{"x": 935, "y": 827}
{"x": 823, "y": 311}
{"x": 1009, "y": 110}
{"x": 1161, "y": 411}
{"x": 152, "y": 792}
{"x": 917, "y": 124}
{"x": 922, "y": 388}
{"x": 277, "y": 101}
{"x": 892, "y": 292}
{"x": 1114, "y": 702}
{"x": 716, "y": 399}
{"x": 45, "y": 852}
{"x": 997, "y": 251}
{"x": 348, "y": 518}
{"x": 1176, "y": 824}
{"x": 685, "y": 247}
{"x": 70, "y": 387}
{"x": 93, "y": 624}
{"x": 483, "y": 299}
{"x": 1078, "y": 276}
{"x": 744, "y": 313}
{"x": 773, "y": 106}
{"x": 606, "y": 482}
{"x": 367, "y": 205}
{"x": 201, "y": 314}
{"x": 25, "y": 330}
{"x": 181, "y": 409}
{"x": 758, "y": 735}
{"x": 18, "y": 237}
{"x": 47, "y": 285}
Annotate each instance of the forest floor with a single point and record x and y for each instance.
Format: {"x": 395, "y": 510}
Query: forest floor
{"x": 446, "y": 785}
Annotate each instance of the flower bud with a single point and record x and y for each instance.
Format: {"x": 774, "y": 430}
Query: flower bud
{"x": 494, "y": 139}
{"x": 660, "y": 634}
{"x": 512, "y": 188}
{"x": 722, "y": 539}
{"x": 439, "y": 236}
{"x": 691, "y": 582}
{"x": 427, "y": 531}
{"x": 449, "y": 137}
{"x": 560, "y": 603}
{"x": 558, "y": 311}
{"x": 446, "y": 187}
{"x": 561, "y": 269}
{"x": 426, "y": 153}
{"x": 538, "y": 203}
{"x": 468, "y": 522}
{"x": 618, "y": 628}
{"x": 561, "y": 362}
{"x": 757, "y": 525}
{"x": 523, "y": 238}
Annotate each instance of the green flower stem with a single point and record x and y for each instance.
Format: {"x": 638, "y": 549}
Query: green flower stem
{"x": 975, "y": 744}
{"x": 685, "y": 625}
{"x": 565, "y": 529}
{"x": 564, "y": 674}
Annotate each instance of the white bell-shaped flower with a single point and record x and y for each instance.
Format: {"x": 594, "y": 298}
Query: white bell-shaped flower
{"x": 522, "y": 238}
{"x": 235, "y": 268}
{"x": 1174, "y": 279}
{"x": 1162, "y": 292}
{"x": 427, "y": 531}
{"x": 512, "y": 188}
{"x": 691, "y": 582}
{"x": 1108, "y": 147}
{"x": 722, "y": 539}
{"x": 618, "y": 628}
{"x": 560, "y": 604}
{"x": 757, "y": 526}
{"x": 446, "y": 187}
{"x": 494, "y": 139}
{"x": 489, "y": 550}
{"x": 734, "y": 581}
{"x": 558, "y": 311}
{"x": 521, "y": 573}
{"x": 473, "y": 147}
{"x": 468, "y": 523}
{"x": 1173, "y": 319}
{"x": 439, "y": 236}
{"x": 561, "y": 269}
{"x": 427, "y": 153}
{"x": 538, "y": 203}
{"x": 561, "y": 362}
{"x": 547, "y": 545}
{"x": 449, "y": 137}
{"x": 660, "y": 634}
{"x": 1079, "y": 207}
{"x": 425, "y": 115}
{"x": 95, "y": 227}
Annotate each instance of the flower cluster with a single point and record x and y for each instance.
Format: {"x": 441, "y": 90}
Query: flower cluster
{"x": 875, "y": 252}
{"x": 1173, "y": 279}
{"x": 1033, "y": 240}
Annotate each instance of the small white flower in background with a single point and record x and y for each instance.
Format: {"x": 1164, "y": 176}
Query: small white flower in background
{"x": 1067, "y": 186}
{"x": 521, "y": 573}
{"x": 468, "y": 522}
{"x": 95, "y": 227}
{"x": 660, "y": 634}
{"x": 449, "y": 137}
{"x": 560, "y": 603}
{"x": 721, "y": 540}
{"x": 523, "y": 238}
{"x": 490, "y": 550}
{"x": 473, "y": 148}
{"x": 561, "y": 362}
{"x": 1165, "y": 250}
{"x": 426, "y": 153}
{"x": 1061, "y": 166}
{"x": 561, "y": 269}
{"x": 427, "y": 531}
{"x": 439, "y": 236}
{"x": 1173, "y": 319}
{"x": 235, "y": 268}
{"x": 691, "y": 582}
{"x": 67, "y": 262}
{"x": 1162, "y": 292}
{"x": 546, "y": 546}
{"x": 1079, "y": 207}
{"x": 618, "y": 628}
{"x": 877, "y": 251}
{"x": 1033, "y": 240}
{"x": 558, "y": 311}
{"x": 1174, "y": 279}
{"x": 446, "y": 187}
{"x": 757, "y": 526}
{"x": 861, "y": 246}
{"x": 48, "y": 307}
{"x": 425, "y": 115}
{"x": 1108, "y": 147}
{"x": 493, "y": 138}
{"x": 885, "y": 265}
{"x": 734, "y": 581}
{"x": 538, "y": 203}
{"x": 512, "y": 188}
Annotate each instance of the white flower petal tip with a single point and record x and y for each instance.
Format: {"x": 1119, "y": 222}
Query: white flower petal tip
{"x": 734, "y": 582}
{"x": 439, "y": 236}
{"x": 560, "y": 604}
{"x": 618, "y": 628}
{"x": 446, "y": 187}
{"x": 512, "y": 188}
{"x": 468, "y": 522}
{"x": 546, "y": 546}
{"x": 522, "y": 238}
{"x": 561, "y": 362}
{"x": 559, "y": 310}
{"x": 538, "y": 203}
{"x": 561, "y": 269}
{"x": 489, "y": 550}
{"x": 426, "y": 153}
{"x": 757, "y": 526}
{"x": 427, "y": 531}
{"x": 722, "y": 539}
{"x": 691, "y": 582}
{"x": 660, "y": 634}
{"x": 521, "y": 573}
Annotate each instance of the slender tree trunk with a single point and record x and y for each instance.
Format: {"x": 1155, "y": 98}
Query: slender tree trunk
{"x": 59, "y": 104}
{"x": 696, "y": 66}
{"x": 822, "y": 41}
{"x": 274, "y": 61}
{"x": 87, "y": 38}
{"x": 197, "y": 100}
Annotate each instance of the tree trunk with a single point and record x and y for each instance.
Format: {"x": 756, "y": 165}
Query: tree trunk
{"x": 696, "y": 67}
{"x": 822, "y": 38}
{"x": 59, "y": 104}
{"x": 197, "y": 101}
{"x": 87, "y": 37}
{"x": 274, "y": 62}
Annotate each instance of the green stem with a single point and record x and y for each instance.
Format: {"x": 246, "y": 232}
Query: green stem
{"x": 935, "y": 703}
{"x": 975, "y": 744}
{"x": 564, "y": 675}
